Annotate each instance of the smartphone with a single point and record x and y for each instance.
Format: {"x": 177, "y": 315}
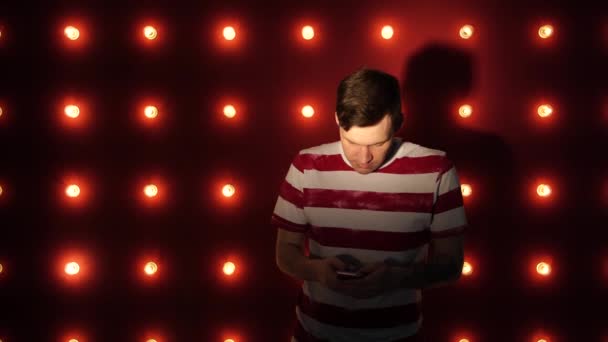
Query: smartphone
{"x": 345, "y": 275}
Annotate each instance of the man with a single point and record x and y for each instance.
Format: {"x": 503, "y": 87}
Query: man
{"x": 372, "y": 203}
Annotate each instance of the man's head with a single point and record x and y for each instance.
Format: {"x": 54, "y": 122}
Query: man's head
{"x": 368, "y": 113}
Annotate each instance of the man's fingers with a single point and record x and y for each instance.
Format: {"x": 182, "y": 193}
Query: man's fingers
{"x": 337, "y": 264}
{"x": 367, "y": 268}
{"x": 370, "y": 268}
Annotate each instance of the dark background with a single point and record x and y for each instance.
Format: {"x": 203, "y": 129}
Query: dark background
{"x": 503, "y": 150}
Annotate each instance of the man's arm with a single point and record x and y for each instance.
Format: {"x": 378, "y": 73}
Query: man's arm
{"x": 290, "y": 256}
{"x": 444, "y": 265}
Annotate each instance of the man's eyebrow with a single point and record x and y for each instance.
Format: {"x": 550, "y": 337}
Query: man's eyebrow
{"x": 381, "y": 142}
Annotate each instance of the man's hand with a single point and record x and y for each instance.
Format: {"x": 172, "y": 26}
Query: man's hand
{"x": 325, "y": 273}
{"x": 380, "y": 278}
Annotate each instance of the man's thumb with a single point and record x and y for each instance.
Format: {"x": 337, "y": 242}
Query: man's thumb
{"x": 337, "y": 264}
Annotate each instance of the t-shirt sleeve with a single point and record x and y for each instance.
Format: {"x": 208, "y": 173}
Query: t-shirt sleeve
{"x": 448, "y": 217}
{"x": 288, "y": 211}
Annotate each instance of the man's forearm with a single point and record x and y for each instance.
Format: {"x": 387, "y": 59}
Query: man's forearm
{"x": 293, "y": 262}
{"x": 428, "y": 275}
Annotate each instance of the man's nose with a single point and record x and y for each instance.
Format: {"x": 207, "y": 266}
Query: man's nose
{"x": 365, "y": 155}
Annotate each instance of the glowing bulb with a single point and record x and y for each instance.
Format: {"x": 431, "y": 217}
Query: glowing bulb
{"x": 72, "y": 111}
{"x": 308, "y": 32}
{"x": 544, "y": 110}
{"x": 71, "y": 32}
{"x": 308, "y": 111}
{"x": 150, "y": 340}
{"x": 73, "y": 340}
{"x": 543, "y": 268}
{"x": 387, "y": 32}
{"x": 229, "y": 33}
{"x": 151, "y": 190}
{"x": 466, "y": 190}
{"x": 151, "y": 112}
{"x": 72, "y": 190}
{"x": 543, "y": 190}
{"x": 464, "y": 340}
{"x": 0, "y": 190}
{"x": 465, "y": 111}
{"x": 467, "y": 268}
{"x": 1, "y": 268}
{"x": 72, "y": 268}
{"x": 229, "y": 111}
{"x": 545, "y": 31}
{"x": 150, "y": 32}
{"x": 229, "y": 268}
{"x": 150, "y": 268}
{"x": 229, "y": 340}
{"x": 466, "y": 31}
{"x": 228, "y": 190}
{"x": 0, "y": 111}
{"x": 542, "y": 340}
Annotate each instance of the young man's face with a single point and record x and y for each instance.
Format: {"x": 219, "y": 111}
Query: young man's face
{"x": 366, "y": 147}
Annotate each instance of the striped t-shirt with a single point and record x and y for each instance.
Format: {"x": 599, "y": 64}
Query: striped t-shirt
{"x": 391, "y": 213}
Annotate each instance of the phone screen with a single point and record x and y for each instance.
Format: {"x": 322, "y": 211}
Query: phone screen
{"x": 348, "y": 275}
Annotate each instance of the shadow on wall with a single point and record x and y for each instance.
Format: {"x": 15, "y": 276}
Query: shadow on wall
{"x": 434, "y": 79}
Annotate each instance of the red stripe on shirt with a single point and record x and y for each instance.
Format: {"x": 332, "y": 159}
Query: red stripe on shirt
{"x": 349, "y": 199}
{"x": 449, "y": 200}
{"x": 279, "y": 222}
{"x": 386, "y": 317}
{"x": 403, "y": 165}
{"x": 301, "y": 335}
{"x": 291, "y": 194}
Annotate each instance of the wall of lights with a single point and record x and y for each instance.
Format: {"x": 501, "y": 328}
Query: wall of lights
{"x": 143, "y": 150}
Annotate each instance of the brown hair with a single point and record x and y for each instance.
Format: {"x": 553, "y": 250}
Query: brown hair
{"x": 366, "y": 96}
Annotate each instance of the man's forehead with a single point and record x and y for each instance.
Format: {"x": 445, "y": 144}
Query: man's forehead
{"x": 366, "y": 135}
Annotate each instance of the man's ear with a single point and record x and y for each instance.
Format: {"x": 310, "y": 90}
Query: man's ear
{"x": 336, "y": 117}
